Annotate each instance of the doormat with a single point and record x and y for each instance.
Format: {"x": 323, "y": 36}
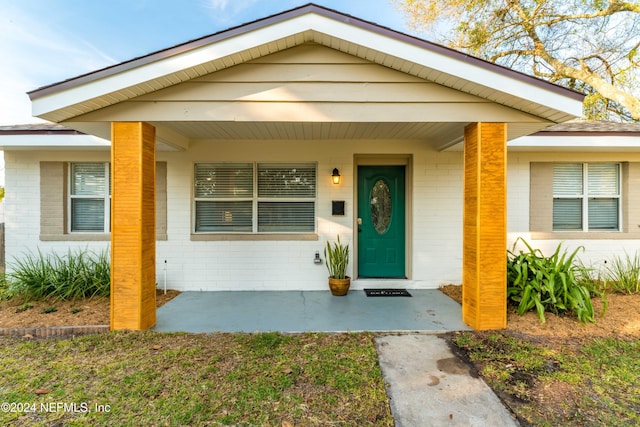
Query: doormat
{"x": 388, "y": 292}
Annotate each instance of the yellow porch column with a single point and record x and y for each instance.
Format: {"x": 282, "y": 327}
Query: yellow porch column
{"x": 484, "y": 304}
{"x": 133, "y": 234}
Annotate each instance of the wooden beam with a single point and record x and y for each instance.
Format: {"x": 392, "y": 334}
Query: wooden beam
{"x": 302, "y": 111}
{"x": 133, "y": 235}
{"x": 484, "y": 288}
{"x": 171, "y": 139}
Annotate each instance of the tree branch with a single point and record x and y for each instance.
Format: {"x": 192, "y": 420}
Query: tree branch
{"x": 584, "y": 73}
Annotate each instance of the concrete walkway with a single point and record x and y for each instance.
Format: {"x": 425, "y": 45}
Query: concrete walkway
{"x": 429, "y": 386}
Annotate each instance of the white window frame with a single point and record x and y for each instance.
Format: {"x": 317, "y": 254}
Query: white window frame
{"x": 106, "y": 197}
{"x": 256, "y": 199}
{"x": 585, "y": 197}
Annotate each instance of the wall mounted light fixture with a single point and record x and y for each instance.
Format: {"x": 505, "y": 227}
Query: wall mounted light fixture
{"x": 335, "y": 176}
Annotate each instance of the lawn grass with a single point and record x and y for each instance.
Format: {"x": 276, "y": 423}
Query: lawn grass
{"x": 593, "y": 384}
{"x": 148, "y": 378}
{"x": 271, "y": 379}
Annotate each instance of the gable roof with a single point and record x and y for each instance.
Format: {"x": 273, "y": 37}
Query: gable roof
{"x": 306, "y": 24}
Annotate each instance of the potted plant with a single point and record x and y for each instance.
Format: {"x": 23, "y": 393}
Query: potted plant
{"x": 337, "y": 258}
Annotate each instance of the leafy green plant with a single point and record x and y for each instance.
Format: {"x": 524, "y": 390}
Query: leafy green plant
{"x": 337, "y": 259}
{"x": 547, "y": 283}
{"x": 24, "y": 307}
{"x": 623, "y": 274}
{"x": 75, "y": 310}
{"x": 47, "y": 310}
{"x": 79, "y": 274}
{"x": 5, "y": 293}
{"x": 591, "y": 278}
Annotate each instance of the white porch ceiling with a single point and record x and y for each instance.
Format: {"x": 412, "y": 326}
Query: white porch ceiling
{"x": 173, "y": 136}
{"x": 439, "y": 135}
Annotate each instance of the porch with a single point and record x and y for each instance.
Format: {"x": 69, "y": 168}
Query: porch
{"x": 308, "y": 311}
{"x": 320, "y": 88}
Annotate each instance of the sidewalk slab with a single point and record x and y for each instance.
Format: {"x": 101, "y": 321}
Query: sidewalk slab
{"x": 429, "y": 386}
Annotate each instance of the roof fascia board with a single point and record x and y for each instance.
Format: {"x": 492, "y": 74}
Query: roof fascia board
{"x": 588, "y": 133}
{"x": 575, "y": 141}
{"x": 41, "y": 141}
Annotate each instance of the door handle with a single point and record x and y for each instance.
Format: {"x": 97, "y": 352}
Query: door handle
{"x": 359, "y": 221}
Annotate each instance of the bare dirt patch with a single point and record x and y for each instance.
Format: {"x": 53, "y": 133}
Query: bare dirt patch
{"x": 583, "y": 395}
{"x": 16, "y": 312}
{"x": 621, "y": 319}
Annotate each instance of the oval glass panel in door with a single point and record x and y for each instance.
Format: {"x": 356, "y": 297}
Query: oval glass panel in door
{"x": 380, "y": 206}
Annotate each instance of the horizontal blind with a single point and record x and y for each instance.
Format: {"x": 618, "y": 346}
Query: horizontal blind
{"x": 567, "y": 179}
{"x": 88, "y": 179}
{"x": 225, "y": 197}
{"x": 603, "y": 179}
{"x": 87, "y": 215}
{"x": 603, "y": 214}
{"x": 223, "y": 180}
{"x": 224, "y": 216}
{"x": 567, "y": 214}
{"x": 287, "y": 180}
{"x": 286, "y": 216}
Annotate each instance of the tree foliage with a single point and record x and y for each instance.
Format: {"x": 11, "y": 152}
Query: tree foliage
{"x": 592, "y": 46}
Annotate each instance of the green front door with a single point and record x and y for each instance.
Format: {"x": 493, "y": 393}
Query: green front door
{"x": 381, "y": 221}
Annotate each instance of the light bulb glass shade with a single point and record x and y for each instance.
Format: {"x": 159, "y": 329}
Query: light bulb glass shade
{"x": 335, "y": 176}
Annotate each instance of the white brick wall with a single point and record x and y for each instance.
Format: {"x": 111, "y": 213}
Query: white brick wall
{"x": 436, "y": 217}
{"x": 596, "y": 251}
{"x": 22, "y": 202}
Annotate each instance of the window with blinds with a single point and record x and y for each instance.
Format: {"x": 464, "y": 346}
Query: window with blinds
{"x": 223, "y": 197}
{"x": 89, "y": 197}
{"x": 248, "y": 197}
{"x": 586, "y": 196}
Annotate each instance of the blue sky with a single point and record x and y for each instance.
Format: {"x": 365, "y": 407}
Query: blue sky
{"x": 47, "y": 41}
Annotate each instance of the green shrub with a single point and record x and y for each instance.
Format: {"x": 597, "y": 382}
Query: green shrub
{"x": 547, "y": 283}
{"x": 24, "y": 307}
{"x": 79, "y": 274}
{"x": 623, "y": 274}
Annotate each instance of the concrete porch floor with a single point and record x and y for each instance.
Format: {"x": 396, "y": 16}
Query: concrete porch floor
{"x": 308, "y": 311}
